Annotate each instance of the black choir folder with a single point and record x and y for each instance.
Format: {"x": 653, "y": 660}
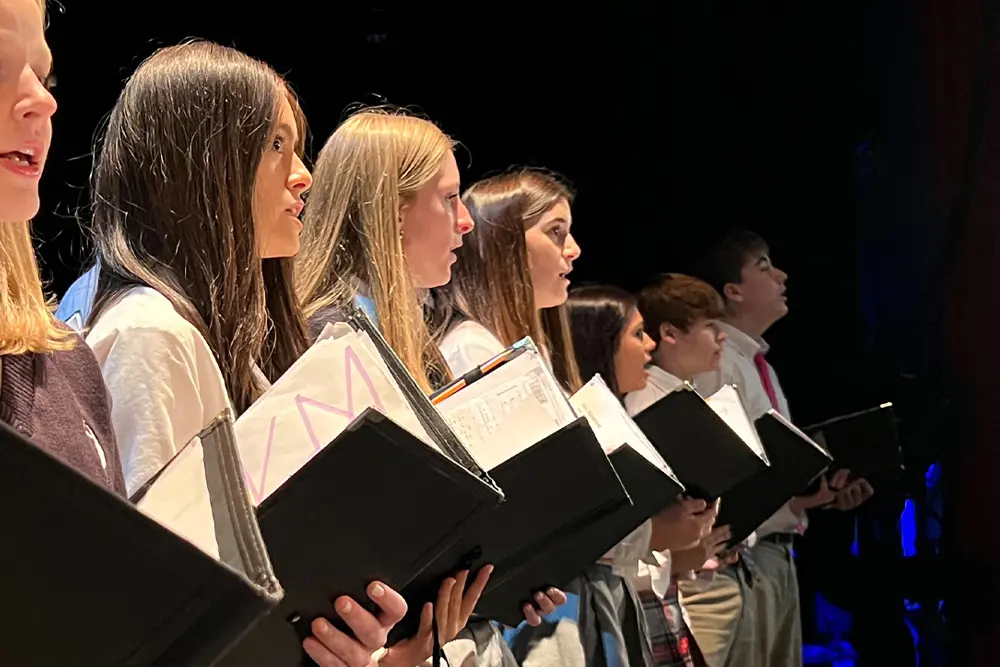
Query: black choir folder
{"x": 707, "y": 455}
{"x": 648, "y": 480}
{"x": 555, "y": 488}
{"x": 374, "y": 502}
{"x": 795, "y": 462}
{"x": 91, "y": 580}
{"x": 864, "y": 442}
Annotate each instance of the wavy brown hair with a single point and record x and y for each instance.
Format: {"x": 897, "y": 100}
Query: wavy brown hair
{"x": 491, "y": 282}
{"x": 372, "y": 164}
{"x": 173, "y": 206}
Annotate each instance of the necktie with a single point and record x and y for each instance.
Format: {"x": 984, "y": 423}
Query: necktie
{"x": 765, "y": 378}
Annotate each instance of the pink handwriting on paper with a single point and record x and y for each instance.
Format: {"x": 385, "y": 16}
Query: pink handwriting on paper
{"x": 352, "y": 365}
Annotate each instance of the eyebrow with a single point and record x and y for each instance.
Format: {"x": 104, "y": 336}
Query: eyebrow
{"x": 287, "y": 129}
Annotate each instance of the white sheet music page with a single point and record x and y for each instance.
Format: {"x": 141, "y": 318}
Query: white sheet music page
{"x": 727, "y": 404}
{"x": 612, "y": 425}
{"x": 179, "y": 499}
{"x": 508, "y": 410}
{"x": 312, "y": 403}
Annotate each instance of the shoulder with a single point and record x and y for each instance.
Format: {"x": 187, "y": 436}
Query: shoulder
{"x": 75, "y": 305}
{"x": 140, "y": 320}
{"x": 468, "y": 344}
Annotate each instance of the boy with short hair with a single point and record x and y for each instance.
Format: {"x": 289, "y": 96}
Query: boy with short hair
{"x": 682, "y": 316}
{"x": 753, "y": 292}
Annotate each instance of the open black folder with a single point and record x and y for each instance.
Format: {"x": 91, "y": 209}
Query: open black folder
{"x": 707, "y": 456}
{"x": 567, "y": 552}
{"x": 864, "y": 442}
{"x": 91, "y": 580}
{"x": 795, "y": 462}
{"x": 554, "y": 489}
{"x": 376, "y": 503}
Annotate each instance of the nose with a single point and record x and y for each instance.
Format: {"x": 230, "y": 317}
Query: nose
{"x": 571, "y": 251}
{"x": 35, "y": 101}
{"x": 720, "y": 337}
{"x": 647, "y": 344}
{"x": 299, "y": 180}
{"x": 463, "y": 221}
{"x": 780, "y": 275}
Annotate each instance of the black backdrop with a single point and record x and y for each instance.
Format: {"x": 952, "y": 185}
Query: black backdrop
{"x": 670, "y": 118}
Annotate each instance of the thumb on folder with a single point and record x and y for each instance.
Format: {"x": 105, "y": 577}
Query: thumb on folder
{"x": 827, "y": 494}
{"x": 329, "y": 647}
{"x": 452, "y": 610}
{"x": 682, "y": 525}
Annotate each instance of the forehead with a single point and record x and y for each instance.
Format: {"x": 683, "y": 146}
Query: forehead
{"x": 21, "y": 28}
{"x": 448, "y": 175}
{"x": 561, "y": 211}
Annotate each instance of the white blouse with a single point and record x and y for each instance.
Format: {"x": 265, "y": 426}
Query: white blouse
{"x": 468, "y": 344}
{"x": 164, "y": 382}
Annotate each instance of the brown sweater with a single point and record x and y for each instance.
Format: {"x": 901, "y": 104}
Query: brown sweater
{"x": 60, "y": 403}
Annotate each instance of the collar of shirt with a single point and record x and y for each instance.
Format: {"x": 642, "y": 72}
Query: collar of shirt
{"x": 743, "y": 343}
{"x": 663, "y": 380}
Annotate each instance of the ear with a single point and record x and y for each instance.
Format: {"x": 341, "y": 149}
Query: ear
{"x": 668, "y": 334}
{"x": 401, "y": 213}
{"x": 732, "y": 292}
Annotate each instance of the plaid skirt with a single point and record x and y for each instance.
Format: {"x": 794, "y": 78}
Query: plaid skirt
{"x": 672, "y": 642}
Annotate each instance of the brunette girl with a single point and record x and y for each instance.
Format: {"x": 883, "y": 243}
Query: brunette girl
{"x": 509, "y": 282}
{"x": 610, "y": 340}
{"x": 197, "y": 191}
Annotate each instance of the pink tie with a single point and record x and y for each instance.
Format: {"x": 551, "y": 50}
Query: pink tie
{"x": 765, "y": 378}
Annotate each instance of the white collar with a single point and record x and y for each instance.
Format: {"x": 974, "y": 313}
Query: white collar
{"x": 744, "y": 343}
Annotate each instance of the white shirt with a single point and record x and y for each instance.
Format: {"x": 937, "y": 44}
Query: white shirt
{"x": 737, "y": 367}
{"x": 467, "y": 345}
{"x": 164, "y": 381}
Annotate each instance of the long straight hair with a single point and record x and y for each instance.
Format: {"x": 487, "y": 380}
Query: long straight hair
{"x": 491, "y": 282}
{"x": 26, "y": 321}
{"x": 599, "y": 316}
{"x": 173, "y": 206}
{"x": 370, "y": 166}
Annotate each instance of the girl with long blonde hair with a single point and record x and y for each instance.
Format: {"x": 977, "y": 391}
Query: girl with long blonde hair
{"x": 50, "y": 385}
{"x": 383, "y": 223}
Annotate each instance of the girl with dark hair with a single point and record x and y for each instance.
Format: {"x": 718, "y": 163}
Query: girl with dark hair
{"x": 197, "y": 194}
{"x": 610, "y": 340}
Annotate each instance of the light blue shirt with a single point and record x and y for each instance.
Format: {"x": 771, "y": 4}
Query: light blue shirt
{"x": 77, "y": 302}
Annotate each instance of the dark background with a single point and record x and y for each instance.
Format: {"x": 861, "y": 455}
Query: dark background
{"x": 856, "y": 136}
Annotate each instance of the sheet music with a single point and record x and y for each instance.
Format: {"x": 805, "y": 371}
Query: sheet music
{"x": 727, "y": 404}
{"x": 508, "y": 410}
{"x": 612, "y": 425}
{"x": 180, "y": 501}
{"x": 312, "y": 403}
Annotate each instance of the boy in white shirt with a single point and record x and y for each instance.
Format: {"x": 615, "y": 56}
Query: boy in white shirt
{"x": 753, "y": 291}
{"x": 681, "y": 316}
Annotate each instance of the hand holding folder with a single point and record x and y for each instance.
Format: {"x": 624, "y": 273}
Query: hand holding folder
{"x": 356, "y": 479}
{"x": 513, "y": 415}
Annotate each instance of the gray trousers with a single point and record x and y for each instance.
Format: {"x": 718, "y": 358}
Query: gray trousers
{"x": 778, "y": 640}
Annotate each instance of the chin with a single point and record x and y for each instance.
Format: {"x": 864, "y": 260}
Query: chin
{"x": 18, "y": 206}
